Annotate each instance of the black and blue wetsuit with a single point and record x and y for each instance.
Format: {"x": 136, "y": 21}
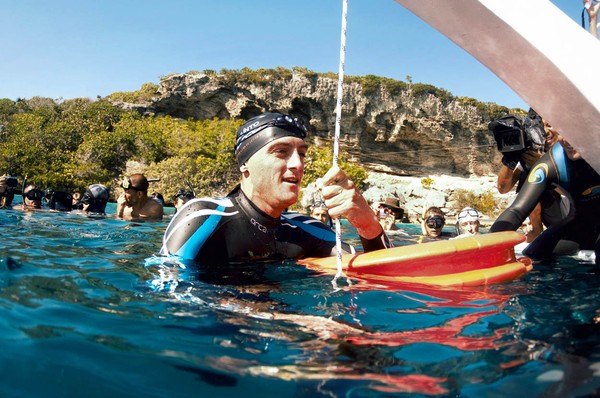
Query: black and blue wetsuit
{"x": 232, "y": 230}
{"x": 575, "y": 178}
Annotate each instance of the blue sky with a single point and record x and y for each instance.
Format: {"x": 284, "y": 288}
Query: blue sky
{"x": 84, "y": 48}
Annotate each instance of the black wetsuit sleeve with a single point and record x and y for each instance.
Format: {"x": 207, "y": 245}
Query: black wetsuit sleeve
{"x": 380, "y": 242}
{"x": 542, "y": 177}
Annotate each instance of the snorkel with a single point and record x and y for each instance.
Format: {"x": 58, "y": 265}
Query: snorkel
{"x": 189, "y": 184}
{"x": 23, "y": 190}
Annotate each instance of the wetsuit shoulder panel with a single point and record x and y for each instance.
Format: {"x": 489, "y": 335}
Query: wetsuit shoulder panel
{"x": 193, "y": 224}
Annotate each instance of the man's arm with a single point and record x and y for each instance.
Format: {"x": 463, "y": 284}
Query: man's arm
{"x": 507, "y": 178}
{"x": 120, "y": 206}
{"x": 343, "y": 199}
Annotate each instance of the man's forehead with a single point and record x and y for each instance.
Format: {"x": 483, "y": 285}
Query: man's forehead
{"x": 288, "y": 142}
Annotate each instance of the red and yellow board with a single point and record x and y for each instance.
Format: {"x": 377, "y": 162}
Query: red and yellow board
{"x": 469, "y": 261}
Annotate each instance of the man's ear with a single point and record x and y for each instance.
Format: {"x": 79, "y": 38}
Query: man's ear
{"x": 244, "y": 168}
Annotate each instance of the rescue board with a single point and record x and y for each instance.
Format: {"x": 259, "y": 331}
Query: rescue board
{"x": 537, "y": 50}
{"x": 468, "y": 261}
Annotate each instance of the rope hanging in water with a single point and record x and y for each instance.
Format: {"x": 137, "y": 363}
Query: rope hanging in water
{"x": 338, "y": 119}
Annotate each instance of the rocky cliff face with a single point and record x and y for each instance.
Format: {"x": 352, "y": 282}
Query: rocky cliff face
{"x": 402, "y": 134}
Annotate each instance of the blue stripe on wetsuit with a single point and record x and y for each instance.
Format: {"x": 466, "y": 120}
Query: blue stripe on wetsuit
{"x": 189, "y": 250}
{"x": 321, "y": 233}
{"x": 560, "y": 160}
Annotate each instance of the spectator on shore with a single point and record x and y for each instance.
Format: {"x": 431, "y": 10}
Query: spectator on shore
{"x": 134, "y": 203}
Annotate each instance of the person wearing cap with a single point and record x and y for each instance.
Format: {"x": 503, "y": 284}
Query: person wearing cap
{"x": 32, "y": 197}
{"x": 8, "y": 186}
{"x": 467, "y": 222}
{"x": 249, "y": 224}
{"x": 94, "y": 199}
{"x": 391, "y": 212}
{"x": 134, "y": 203}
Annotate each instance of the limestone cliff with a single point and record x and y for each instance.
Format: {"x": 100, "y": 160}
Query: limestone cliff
{"x": 402, "y": 132}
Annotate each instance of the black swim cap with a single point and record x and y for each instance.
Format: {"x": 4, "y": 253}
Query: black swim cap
{"x": 96, "y": 196}
{"x": 262, "y": 129}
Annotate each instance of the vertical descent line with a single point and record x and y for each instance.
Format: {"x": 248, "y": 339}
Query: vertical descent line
{"x": 338, "y": 119}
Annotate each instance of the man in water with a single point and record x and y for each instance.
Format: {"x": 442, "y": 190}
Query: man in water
{"x": 249, "y": 224}
{"x": 564, "y": 167}
{"x": 134, "y": 203}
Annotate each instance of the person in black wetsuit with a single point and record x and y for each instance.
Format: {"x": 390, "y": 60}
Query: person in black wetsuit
{"x": 562, "y": 167}
{"x": 94, "y": 199}
{"x": 249, "y": 224}
{"x": 58, "y": 200}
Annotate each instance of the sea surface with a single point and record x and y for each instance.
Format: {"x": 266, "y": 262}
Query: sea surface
{"x": 89, "y": 309}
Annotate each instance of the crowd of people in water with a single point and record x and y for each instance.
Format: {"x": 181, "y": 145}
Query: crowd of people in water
{"x": 558, "y": 200}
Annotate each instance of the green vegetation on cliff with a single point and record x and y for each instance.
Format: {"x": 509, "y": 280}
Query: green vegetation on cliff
{"x": 76, "y": 142}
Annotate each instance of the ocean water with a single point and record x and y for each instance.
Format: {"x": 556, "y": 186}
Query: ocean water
{"x": 88, "y": 309}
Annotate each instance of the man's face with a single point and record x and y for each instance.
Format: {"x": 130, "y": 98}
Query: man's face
{"x": 320, "y": 214}
{"x": 551, "y": 136}
{"x": 275, "y": 172}
{"x": 132, "y": 196}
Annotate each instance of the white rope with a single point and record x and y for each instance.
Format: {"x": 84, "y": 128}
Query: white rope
{"x": 336, "y": 142}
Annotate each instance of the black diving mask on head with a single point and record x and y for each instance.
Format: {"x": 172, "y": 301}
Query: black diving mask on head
{"x": 435, "y": 222}
{"x": 34, "y": 194}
